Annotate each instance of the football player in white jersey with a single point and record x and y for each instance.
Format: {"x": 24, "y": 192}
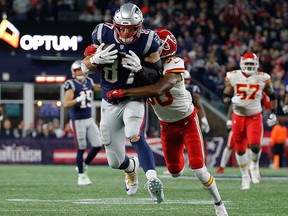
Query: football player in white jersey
{"x": 244, "y": 90}
{"x": 178, "y": 118}
{"x": 78, "y": 96}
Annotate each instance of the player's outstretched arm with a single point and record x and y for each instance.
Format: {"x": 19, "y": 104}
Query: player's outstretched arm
{"x": 157, "y": 89}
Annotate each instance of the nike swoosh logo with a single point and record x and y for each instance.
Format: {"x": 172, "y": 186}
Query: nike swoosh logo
{"x": 126, "y": 187}
{"x": 177, "y": 62}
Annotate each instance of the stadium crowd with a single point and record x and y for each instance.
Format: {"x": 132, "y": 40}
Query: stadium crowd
{"x": 211, "y": 35}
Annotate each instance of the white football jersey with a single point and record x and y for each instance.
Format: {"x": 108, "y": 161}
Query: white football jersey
{"x": 250, "y": 88}
{"x": 176, "y": 104}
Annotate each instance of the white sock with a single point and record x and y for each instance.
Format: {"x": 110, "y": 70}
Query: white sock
{"x": 131, "y": 166}
{"x": 150, "y": 174}
{"x": 255, "y": 158}
{"x": 242, "y": 161}
{"x": 225, "y": 157}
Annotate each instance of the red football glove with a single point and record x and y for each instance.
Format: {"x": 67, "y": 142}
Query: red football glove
{"x": 116, "y": 93}
{"x": 89, "y": 50}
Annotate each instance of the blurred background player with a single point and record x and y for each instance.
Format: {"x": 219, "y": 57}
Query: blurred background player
{"x": 285, "y": 107}
{"x": 230, "y": 143}
{"x": 1, "y": 114}
{"x": 244, "y": 90}
{"x": 78, "y": 96}
{"x": 196, "y": 98}
{"x": 278, "y": 142}
{"x": 178, "y": 118}
{"x": 125, "y": 118}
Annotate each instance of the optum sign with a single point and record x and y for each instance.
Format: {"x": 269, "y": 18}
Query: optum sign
{"x": 11, "y": 35}
{"x": 50, "y": 42}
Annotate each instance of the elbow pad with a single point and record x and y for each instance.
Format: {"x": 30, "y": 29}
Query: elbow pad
{"x": 150, "y": 73}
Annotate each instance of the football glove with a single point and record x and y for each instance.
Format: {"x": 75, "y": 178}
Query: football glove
{"x": 116, "y": 93}
{"x": 104, "y": 55}
{"x": 89, "y": 50}
{"x": 228, "y": 125}
{"x": 271, "y": 120}
{"x": 236, "y": 99}
{"x": 285, "y": 109}
{"x": 205, "y": 125}
{"x": 81, "y": 98}
{"x": 132, "y": 62}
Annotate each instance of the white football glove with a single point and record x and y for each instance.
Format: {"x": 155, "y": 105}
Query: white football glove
{"x": 285, "y": 109}
{"x": 228, "y": 125}
{"x": 104, "y": 56}
{"x": 236, "y": 99}
{"x": 205, "y": 125}
{"x": 1, "y": 117}
{"x": 132, "y": 62}
{"x": 271, "y": 120}
{"x": 81, "y": 98}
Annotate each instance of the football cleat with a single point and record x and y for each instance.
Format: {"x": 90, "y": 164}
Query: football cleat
{"x": 221, "y": 210}
{"x": 220, "y": 170}
{"x": 83, "y": 179}
{"x": 245, "y": 185}
{"x": 155, "y": 188}
{"x": 255, "y": 174}
{"x": 131, "y": 179}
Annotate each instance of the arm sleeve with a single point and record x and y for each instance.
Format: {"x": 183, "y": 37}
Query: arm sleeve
{"x": 150, "y": 74}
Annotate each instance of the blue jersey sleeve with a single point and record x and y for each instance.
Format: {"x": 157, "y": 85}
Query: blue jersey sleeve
{"x": 151, "y": 41}
{"x": 69, "y": 85}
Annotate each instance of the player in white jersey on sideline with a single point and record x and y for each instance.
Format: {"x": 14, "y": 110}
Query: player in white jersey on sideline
{"x": 78, "y": 96}
{"x": 178, "y": 118}
{"x": 244, "y": 90}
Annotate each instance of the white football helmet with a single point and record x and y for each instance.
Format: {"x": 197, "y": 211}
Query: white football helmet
{"x": 249, "y": 63}
{"x": 127, "y": 23}
{"x": 77, "y": 65}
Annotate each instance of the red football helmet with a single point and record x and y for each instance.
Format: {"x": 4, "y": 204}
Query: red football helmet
{"x": 127, "y": 23}
{"x": 168, "y": 42}
{"x": 249, "y": 63}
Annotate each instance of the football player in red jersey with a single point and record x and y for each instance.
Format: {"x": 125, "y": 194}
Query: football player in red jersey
{"x": 244, "y": 90}
{"x": 180, "y": 127}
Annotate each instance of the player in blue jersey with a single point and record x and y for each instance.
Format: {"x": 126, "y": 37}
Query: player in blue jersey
{"x": 131, "y": 59}
{"x": 78, "y": 96}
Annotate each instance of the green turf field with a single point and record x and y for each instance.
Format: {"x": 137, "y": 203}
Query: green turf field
{"x": 52, "y": 190}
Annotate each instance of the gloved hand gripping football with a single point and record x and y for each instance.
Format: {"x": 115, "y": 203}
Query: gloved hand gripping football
{"x": 116, "y": 93}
